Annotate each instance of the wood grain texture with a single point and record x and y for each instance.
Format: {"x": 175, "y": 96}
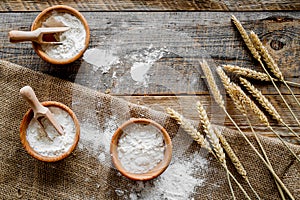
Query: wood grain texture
{"x": 182, "y": 39}
{"x": 146, "y": 5}
{"x": 186, "y": 105}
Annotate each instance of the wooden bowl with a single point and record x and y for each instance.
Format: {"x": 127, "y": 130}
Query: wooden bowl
{"x": 159, "y": 168}
{"x": 24, "y": 125}
{"x": 43, "y": 16}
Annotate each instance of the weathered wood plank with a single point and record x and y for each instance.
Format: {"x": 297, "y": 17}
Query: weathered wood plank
{"x": 177, "y": 40}
{"x": 159, "y": 5}
{"x": 186, "y": 105}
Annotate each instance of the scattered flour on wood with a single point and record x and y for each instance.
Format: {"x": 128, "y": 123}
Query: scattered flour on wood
{"x": 140, "y": 148}
{"x": 54, "y": 144}
{"x": 73, "y": 40}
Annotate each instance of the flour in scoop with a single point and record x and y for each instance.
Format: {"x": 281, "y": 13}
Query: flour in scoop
{"x": 73, "y": 40}
{"x": 141, "y": 147}
{"x": 55, "y": 144}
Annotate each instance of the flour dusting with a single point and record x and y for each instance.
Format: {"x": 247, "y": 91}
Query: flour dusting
{"x": 97, "y": 139}
{"x": 177, "y": 182}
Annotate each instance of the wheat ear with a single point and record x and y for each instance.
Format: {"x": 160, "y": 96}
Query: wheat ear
{"x": 265, "y": 103}
{"x": 258, "y": 45}
{"x": 249, "y": 73}
{"x": 252, "y": 74}
{"x": 188, "y": 127}
{"x": 212, "y": 84}
{"x": 270, "y": 62}
{"x": 245, "y": 37}
{"x": 252, "y": 146}
{"x": 212, "y": 138}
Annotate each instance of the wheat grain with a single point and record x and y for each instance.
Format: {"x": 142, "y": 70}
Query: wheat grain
{"x": 188, "y": 127}
{"x": 245, "y": 37}
{"x": 213, "y": 139}
{"x": 212, "y": 84}
{"x": 266, "y": 56}
{"x": 249, "y": 73}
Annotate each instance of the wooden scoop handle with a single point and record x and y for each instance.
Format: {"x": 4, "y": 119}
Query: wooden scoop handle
{"x": 28, "y": 94}
{"x": 21, "y": 36}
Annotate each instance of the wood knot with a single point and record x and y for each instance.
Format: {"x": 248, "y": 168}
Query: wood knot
{"x": 277, "y": 44}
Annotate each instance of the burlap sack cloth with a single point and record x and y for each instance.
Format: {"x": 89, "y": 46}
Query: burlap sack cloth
{"x": 82, "y": 176}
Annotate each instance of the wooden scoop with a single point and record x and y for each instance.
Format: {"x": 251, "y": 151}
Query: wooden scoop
{"x": 39, "y": 110}
{"x": 37, "y": 35}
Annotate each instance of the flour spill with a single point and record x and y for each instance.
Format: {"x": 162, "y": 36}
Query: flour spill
{"x": 142, "y": 62}
{"x": 100, "y": 59}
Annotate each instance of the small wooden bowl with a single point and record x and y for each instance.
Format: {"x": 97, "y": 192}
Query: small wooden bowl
{"x": 159, "y": 168}
{"x": 24, "y": 125}
{"x": 45, "y": 14}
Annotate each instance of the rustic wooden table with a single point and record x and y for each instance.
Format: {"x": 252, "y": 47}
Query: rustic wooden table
{"x": 165, "y": 40}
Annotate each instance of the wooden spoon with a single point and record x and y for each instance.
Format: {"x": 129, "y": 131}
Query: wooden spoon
{"x": 39, "y": 110}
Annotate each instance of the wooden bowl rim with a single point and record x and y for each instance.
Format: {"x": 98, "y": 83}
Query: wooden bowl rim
{"x": 37, "y": 47}
{"x": 24, "y": 125}
{"x": 156, "y": 171}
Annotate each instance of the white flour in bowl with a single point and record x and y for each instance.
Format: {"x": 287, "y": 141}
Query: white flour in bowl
{"x": 54, "y": 144}
{"x": 73, "y": 40}
{"x": 140, "y": 148}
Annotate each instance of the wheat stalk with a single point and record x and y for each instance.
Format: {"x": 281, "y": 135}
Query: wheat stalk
{"x": 258, "y": 45}
{"x": 249, "y": 73}
{"x": 188, "y": 127}
{"x": 270, "y": 62}
{"x": 234, "y": 159}
{"x": 231, "y": 90}
{"x": 213, "y": 139}
{"x": 242, "y": 98}
{"x": 252, "y": 146}
{"x": 253, "y": 74}
{"x": 265, "y": 103}
{"x": 245, "y": 37}
{"x": 212, "y": 84}
{"x": 266, "y": 56}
